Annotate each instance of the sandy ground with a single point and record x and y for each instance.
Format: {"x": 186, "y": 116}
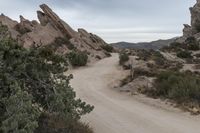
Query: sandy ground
{"x": 120, "y": 113}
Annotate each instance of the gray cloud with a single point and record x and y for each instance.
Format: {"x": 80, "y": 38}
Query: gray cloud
{"x": 114, "y": 20}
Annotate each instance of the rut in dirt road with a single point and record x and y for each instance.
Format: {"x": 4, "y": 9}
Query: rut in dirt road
{"x": 118, "y": 113}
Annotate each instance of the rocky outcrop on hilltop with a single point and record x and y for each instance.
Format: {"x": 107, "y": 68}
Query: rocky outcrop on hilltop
{"x": 192, "y": 30}
{"x": 48, "y": 29}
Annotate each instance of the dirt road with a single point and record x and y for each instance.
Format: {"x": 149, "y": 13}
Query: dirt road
{"x": 118, "y": 113}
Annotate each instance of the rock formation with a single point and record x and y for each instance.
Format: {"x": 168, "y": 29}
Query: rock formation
{"x": 195, "y": 17}
{"x": 194, "y": 29}
{"x": 50, "y": 27}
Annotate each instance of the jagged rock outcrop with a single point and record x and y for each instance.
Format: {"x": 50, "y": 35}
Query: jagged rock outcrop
{"x": 49, "y": 28}
{"x": 195, "y": 17}
{"x": 194, "y": 29}
{"x": 51, "y": 17}
{"x": 187, "y": 31}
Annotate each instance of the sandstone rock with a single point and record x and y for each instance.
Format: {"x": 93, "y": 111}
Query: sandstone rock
{"x": 42, "y": 18}
{"x": 195, "y": 17}
{"x": 90, "y": 39}
{"x": 30, "y": 33}
{"x": 187, "y": 31}
{"x": 194, "y": 29}
{"x": 10, "y": 24}
{"x": 56, "y": 21}
{"x": 39, "y": 36}
{"x": 195, "y": 110}
{"x": 139, "y": 84}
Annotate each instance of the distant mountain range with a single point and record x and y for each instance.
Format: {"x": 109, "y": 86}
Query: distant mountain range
{"x": 144, "y": 45}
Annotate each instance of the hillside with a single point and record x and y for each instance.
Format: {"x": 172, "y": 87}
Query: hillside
{"x": 172, "y": 72}
{"x": 144, "y": 45}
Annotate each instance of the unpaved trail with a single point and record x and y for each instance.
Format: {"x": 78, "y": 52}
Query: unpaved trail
{"x": 118, "y": 113}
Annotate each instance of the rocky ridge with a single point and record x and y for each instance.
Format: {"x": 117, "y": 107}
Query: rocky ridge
{"x": 50, "y": 27}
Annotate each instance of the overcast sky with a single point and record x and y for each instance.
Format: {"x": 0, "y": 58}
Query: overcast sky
{"x": 113, "y": 20}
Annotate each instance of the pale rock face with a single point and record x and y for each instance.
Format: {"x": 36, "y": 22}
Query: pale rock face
{"x": 57, "y": 22}
{"x": 51, "y": 27}
{"x": 195, "y": 17}
{"x": 194, "y": 29}
{"x": 10, "y": 24}
{"x": 42, "y": 18}
{"x": 187, "y": 31}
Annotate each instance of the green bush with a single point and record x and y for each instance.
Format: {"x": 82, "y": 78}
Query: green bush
{"x": 54, "y": 124}
{"x": 22, "y": 30}
{"x": 184, "y": 54}
{"x": 3, "y": 28}
{"x": 33, "y": 83}
{"x": 123, "y": 57}
{"x": 158, "y": 58}
{"x": 175, "y": 44}
{"x": 144, "y": 54}
{"x": 77, "y": 58}
{"x": 107, "y": 48}
{"x": 193, "y": 47}
{"x": 174, "y": 47}
{"x": 59, "y": 41}
{"x": 178, "y": 86}
{"x": 142, "y": 72}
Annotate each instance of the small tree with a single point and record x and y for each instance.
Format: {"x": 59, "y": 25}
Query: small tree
{"x": 77, "y": 58}
{"x": 108, "y": 48}
{"x": 123, "y": 57}
{"x": 32, "y": 82}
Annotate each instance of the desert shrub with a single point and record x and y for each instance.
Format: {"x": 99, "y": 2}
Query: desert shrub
{"x": 158, "y": 58}
{"x": 59, "y": 41}
{"x": 157, "y": 54}
{"x": 126, "y": 66}
{"x": 174, "y": 46}
{"x": 54, "y": 124}
{"x": 123, "y": 57}
{"x": 194, "y": 46}
{"x": 144, "y": 54}
{"x": 178, "y": 86}
{"x": 175, "y": 66}
{"x": 22, "y": 30}
{"x": 3, "y": 28}
{"x": 159, "y": 61}
{"x": 107, "y": 48}
{"x": 184, "y": 54}
{"x": 3, "y": 31}
{"x": 143, "y": 72}
{"x": 32, "y": 82}
{"x": 77, "y": 58}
